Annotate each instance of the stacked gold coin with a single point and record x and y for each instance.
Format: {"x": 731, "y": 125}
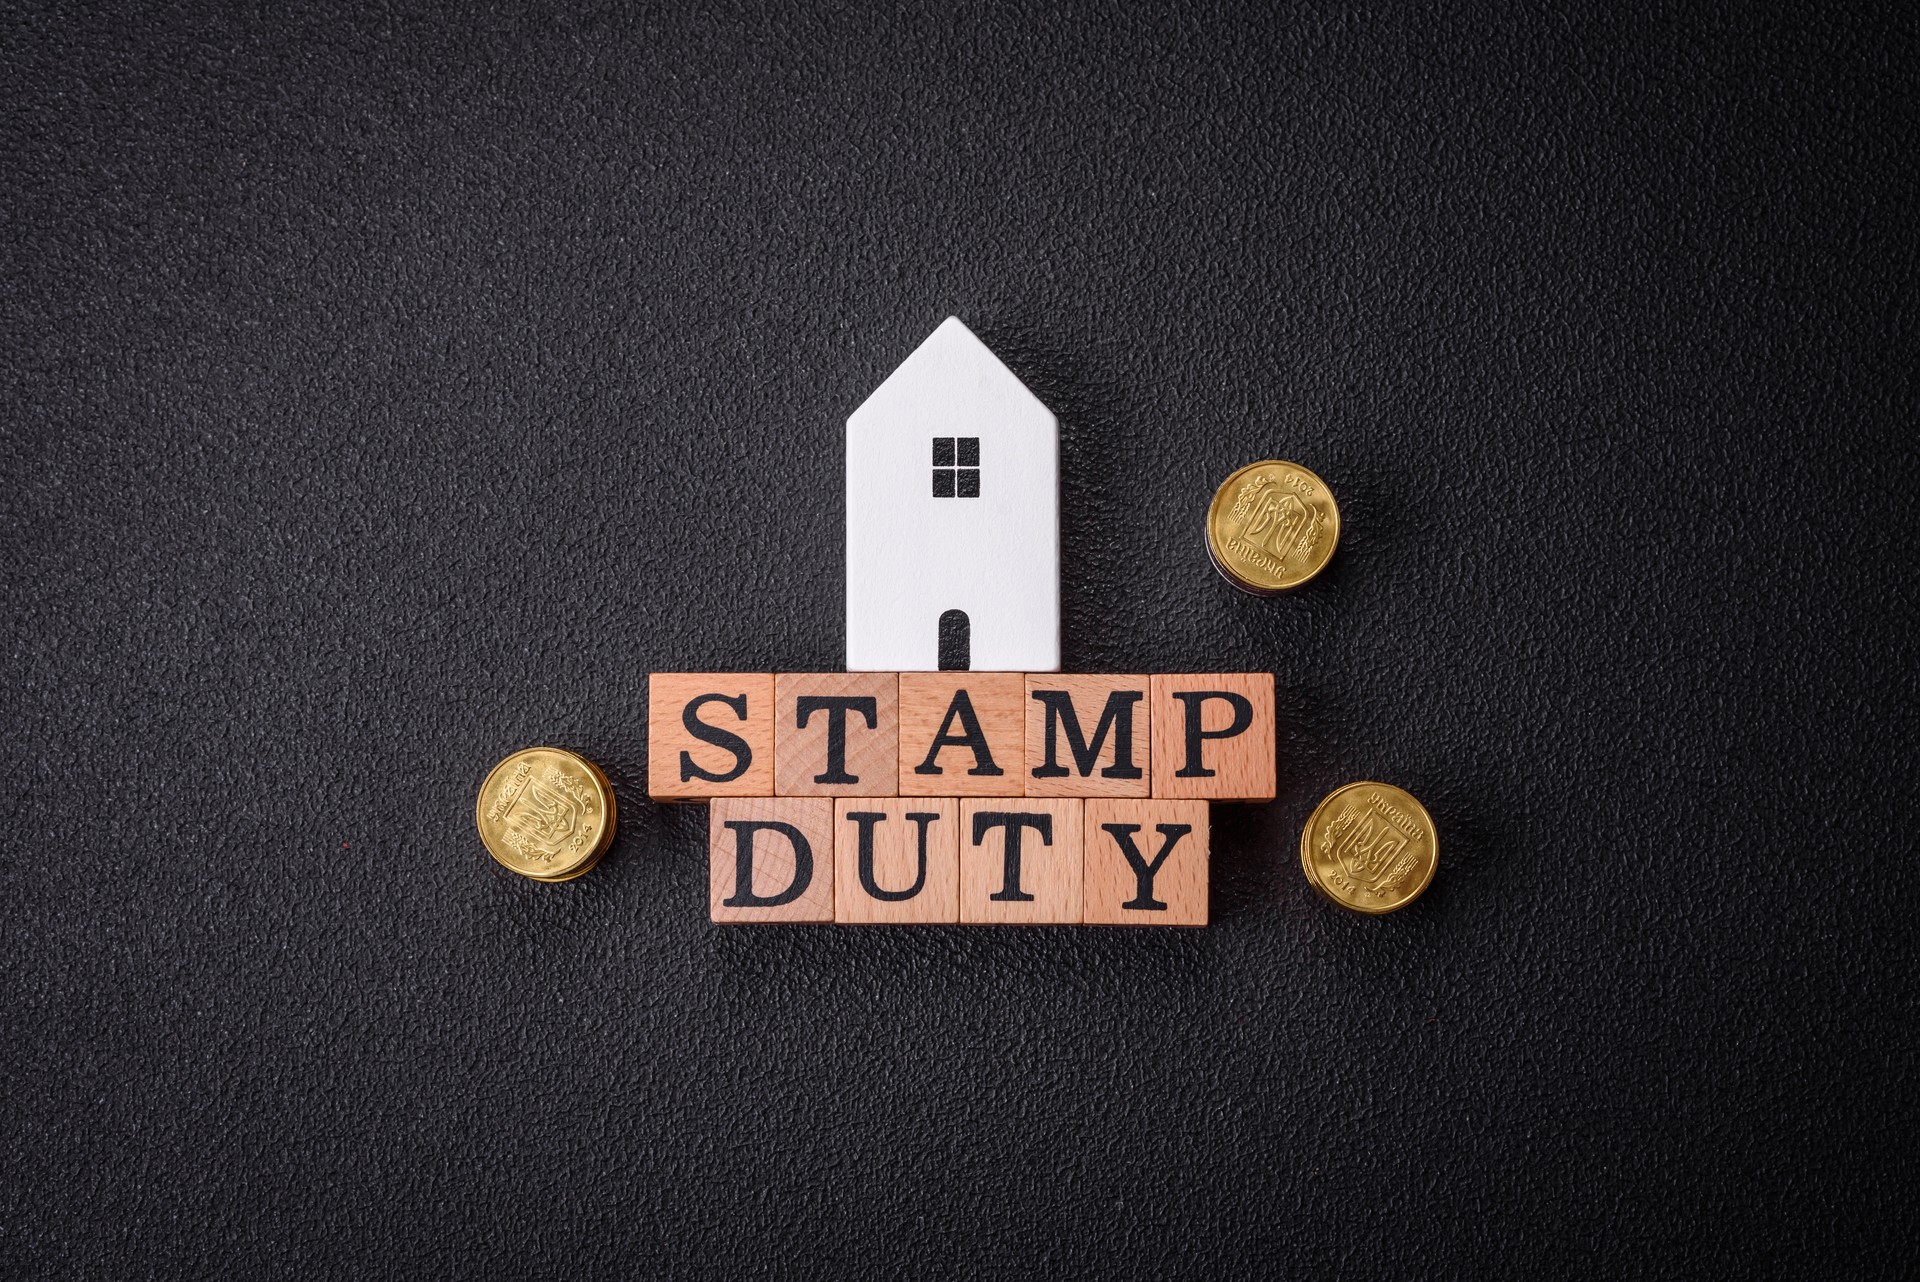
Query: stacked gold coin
{"x": 1271, "y": 527}
{"x": 1369, "y": 847}
{"x": 546, "y": 813}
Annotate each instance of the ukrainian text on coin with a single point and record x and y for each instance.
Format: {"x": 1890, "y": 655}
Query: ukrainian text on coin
{"x": 545, "y": 813}
{"x": 1272, "y": 526}
{"x": 1370, "y": 847}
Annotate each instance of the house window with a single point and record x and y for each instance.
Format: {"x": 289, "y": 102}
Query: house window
{"x": 956, "y": 467}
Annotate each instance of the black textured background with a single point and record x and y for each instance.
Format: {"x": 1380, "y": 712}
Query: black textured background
{"x": 385, "y": 391}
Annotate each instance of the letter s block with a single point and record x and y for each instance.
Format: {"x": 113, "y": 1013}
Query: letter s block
{"x": 1213, "y": 736}
{"x": 770, "y": 859}
{"x": 709, "y": 735}
{"x": 1146, "y": 863}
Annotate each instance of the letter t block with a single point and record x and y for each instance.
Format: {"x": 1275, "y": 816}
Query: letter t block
{"x": 1020, "y": 860}
{"x": 836, "y": 734}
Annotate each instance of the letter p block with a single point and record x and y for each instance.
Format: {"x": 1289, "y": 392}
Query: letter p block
{"x": 1213, "y": 736}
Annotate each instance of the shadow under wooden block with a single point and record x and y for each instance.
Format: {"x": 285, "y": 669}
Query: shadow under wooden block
{"x": 896, "y": 859}
{"x": 1213, "y": 736}
{"x": 962, "y": 734}
{"x": 836, "y": 734}
{"x": 1146, "y": 863}
{"x": 1088, "y": 736}
{"x": 770, "y": 859}
{"x": 1020, "y": 860}
{"x": 709, "y": 734}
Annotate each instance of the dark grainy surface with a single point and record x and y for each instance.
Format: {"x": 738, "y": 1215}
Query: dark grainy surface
{"x": 388, "y": 390}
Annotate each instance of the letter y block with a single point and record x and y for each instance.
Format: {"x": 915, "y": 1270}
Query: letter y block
{"x": 1146, "y": 863}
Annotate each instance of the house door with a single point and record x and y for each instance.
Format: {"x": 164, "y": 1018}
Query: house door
{"x": 956, "y": 642}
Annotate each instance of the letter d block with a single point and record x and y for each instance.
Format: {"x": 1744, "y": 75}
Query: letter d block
{"x": 1087, "y": 736}
{"x": 770, "y": 859}
{"x": 709, "y": 734}
{"x": 1020, "y": 860}
{"x": 1146, "y": 863}
{"x": 1213, "y": 736}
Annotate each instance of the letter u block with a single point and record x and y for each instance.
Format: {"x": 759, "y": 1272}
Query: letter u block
{"x": 1088, "y": 736}
{"x": 709, "y": 735}
{"x": 770, "y": 859}
{"x": 896, "y": 859}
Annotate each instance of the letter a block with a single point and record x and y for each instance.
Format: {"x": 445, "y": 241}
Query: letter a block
{"x": 1088, "y": 736}
{"x": 962, "y": 734}
{"x": 709, "y": 735}
{"x": 896, "y": 859}
{"x": 770, "y": 859}
{"x": 1146, "y": 863}
{"x": 1020, "y": 860}
{"x": 1213, "y": 736}
{"x": 836, "y": 733}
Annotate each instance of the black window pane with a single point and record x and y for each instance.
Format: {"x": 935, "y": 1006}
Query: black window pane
{"x": 943, "y": 451}
{"x": 943, "y": 484}
{"x": 969, "y": 451}
{"x": 969, "y": 482}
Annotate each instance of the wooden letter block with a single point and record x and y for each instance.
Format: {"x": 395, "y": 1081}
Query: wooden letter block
{"x": 836, "y": 734}
{"x": 770, "y": 859}
{"x": 1146, "y": 863}
{"x": 1088, "y": 736}
{"x": 896, "y": 859}
{"x": 709, "y": 735}
{"x": 1020, "y": 860}
{"x": 1213, "y": 736}
{"x": 962, "y": 734}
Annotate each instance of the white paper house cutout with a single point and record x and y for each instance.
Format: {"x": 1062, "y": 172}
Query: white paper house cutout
{"x": 937, "y": 525}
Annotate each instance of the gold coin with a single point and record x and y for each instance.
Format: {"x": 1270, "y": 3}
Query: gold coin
{"x": 1271, "y": 527}
{"x": 546, "y": 813}
{"x": 1369, "y": 847}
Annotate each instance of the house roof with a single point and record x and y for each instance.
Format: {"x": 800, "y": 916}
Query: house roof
{"x": 953, "y": 380}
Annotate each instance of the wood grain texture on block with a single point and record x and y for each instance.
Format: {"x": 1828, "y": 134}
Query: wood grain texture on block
{"x": 1020, "y": 860}
{"x": 836, "y": 734}
{"x": 1088, "y": 736}
{"x": 709, "y": 734}
{"x": 770, "y": 859}
{"x": 896, "y": 860}
{"x": 1146, "y": 863}
{"x": 1213, "y": 736}
{"x": 963, "y": 734}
